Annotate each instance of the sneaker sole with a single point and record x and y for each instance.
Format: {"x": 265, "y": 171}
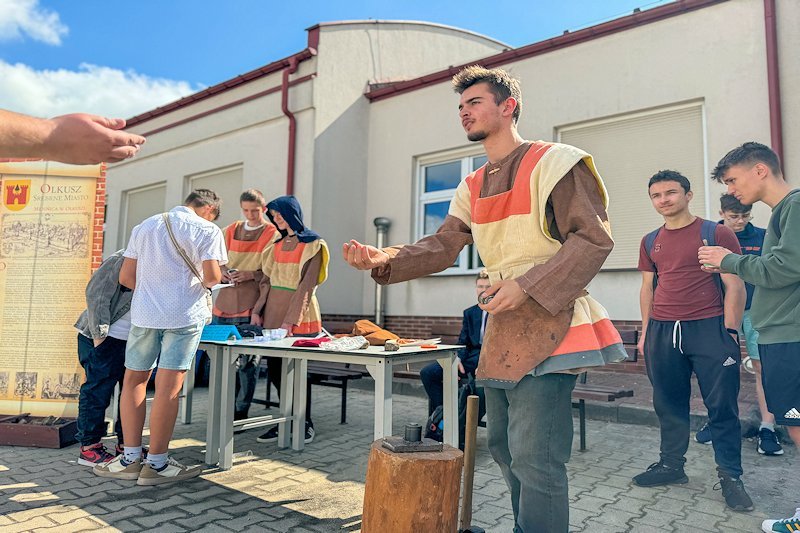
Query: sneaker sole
{"x": 259, "y": 439}
{"x": 117, "y": 475}
{"x": 741, "y": 510}
{"x": 681, "y": 481}
{"x": 86, "y": 462}
{"x": 707, "y": 443}
{"x": 762, "y": 452}
{"x": 150, "y": 481}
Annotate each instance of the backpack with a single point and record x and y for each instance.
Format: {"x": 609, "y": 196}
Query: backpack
{"x": 776, "y": 217}
{"x": 707, "y": 233}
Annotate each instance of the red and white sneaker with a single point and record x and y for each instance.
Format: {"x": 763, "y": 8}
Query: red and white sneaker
{"x": 93, "y": 455}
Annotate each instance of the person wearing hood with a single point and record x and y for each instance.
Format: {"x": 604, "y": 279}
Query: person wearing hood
{"x": 736, "y": 216}
{"x": 292, "y": 268}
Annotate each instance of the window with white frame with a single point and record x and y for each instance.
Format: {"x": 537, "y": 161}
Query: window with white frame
{"x": 437, "y": 179}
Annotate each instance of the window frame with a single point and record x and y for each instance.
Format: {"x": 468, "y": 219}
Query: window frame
{"x": 468, "y": 260}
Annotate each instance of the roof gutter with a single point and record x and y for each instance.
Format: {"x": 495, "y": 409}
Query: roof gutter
{"x": 773, "y": 79}
{"x": 290, "y": 158}
{"x": 637, "y": 19}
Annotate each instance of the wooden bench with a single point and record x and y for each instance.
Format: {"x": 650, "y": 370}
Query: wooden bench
{"x": 599, "y": 393}
{"x": 336, "y": 375}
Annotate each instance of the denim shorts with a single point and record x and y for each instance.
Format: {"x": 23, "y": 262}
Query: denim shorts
{"x": 750, "y": 336}
{"x": 176, "y": 347}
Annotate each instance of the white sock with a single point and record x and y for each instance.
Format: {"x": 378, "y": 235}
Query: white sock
{"x": 131, "y": 453}
{"x": 770, "y": 427}
{"x": 157, "y": 460}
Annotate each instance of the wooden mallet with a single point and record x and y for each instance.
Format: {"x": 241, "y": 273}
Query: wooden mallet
{"x": 470, "y": 435}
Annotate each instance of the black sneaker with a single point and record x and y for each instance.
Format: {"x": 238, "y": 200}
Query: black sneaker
{"x": 660, "y": 474}
{"x": 269, "y": 436}
{"x": 272, "y": 434}
{"x": 703, "y": 436}
{"x": 768, "y": 443}
{"x": 736, "y": 497}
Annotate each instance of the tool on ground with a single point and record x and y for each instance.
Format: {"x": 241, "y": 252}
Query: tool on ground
{"x": 469, "y": 466}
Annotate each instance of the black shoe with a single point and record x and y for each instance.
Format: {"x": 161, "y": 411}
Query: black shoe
{"x": 309, "y": 436}
{"x": 736, "y": 497}
{"x": 660, "y": 474}
{"x": 703, "y": 435}
{"x": 269, "y": 436}
{"x": 768, "y": 443}
{"x": 240, "y": 415}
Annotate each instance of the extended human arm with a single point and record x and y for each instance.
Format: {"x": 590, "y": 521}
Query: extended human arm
{"x": 77, "y": 138}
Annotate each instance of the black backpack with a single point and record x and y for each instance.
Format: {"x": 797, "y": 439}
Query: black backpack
{"x": 707, "y": 233}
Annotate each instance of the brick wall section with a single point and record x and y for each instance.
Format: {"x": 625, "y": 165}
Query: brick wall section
{"x": 422, "y": 327}
{"x": 97, "y": 220}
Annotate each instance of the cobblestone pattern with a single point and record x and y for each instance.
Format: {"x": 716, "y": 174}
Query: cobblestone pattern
{"x": 321, "y": 488}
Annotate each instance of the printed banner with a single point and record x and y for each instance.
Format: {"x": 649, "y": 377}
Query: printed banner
{"x": 48, "y": 243}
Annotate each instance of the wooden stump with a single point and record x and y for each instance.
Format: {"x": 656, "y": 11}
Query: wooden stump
{"x": 412, "y": 492}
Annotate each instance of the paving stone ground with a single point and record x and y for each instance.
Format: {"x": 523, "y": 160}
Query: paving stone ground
{"x": 321, "y": 488}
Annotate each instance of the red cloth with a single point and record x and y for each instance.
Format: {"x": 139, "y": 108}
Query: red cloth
{"x": 310, "y": 343}
{"x": 684, "y": 292}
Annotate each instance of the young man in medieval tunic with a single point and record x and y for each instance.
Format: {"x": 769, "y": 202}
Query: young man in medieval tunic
{"x": 537, "y": 214}
{"x": 246, "y": 241}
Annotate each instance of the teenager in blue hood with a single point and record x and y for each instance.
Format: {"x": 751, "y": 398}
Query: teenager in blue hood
{"x": 737, "y": 217}
{"x": 293, "y": 268}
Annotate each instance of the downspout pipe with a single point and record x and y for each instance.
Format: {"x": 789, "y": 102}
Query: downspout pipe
{"x": 290, "y": 160}
{"x": 382, "y": 225}
{"x": 773, "y": 80}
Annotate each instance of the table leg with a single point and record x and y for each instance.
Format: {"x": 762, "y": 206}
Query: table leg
{"x": 286, "y": 399}
{"x": 188, "y": 389}
{"x": 450, "y": 407}
{"x": 300, "y": 395}
{"x": 383, "y": 398}
{"x": 212, "y": 424}
{"x": 227, "y": 389}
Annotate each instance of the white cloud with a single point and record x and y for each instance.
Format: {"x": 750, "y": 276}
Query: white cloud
{"x": 90, "y": 89}
{"x": 18, "y": 17}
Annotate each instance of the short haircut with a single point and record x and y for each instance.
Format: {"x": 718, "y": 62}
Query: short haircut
{"x": 728, "y": 202}
{"x": 483, "y": 274}
{"x": 253, "y": 195}
{"x": 750, "y": 153}
{"x": 500, "y": 82}
{"x": 202, "y": 198}
{"x": 670, "y": 175}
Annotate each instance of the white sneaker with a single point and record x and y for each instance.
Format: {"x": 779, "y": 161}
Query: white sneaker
{"x": 117, "y": 468}
{"x": 169, "y": 473}
{"x": 786, "y": 525}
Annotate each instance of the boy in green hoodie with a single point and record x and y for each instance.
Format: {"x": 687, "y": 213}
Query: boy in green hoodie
{"x": 752, "y": 173}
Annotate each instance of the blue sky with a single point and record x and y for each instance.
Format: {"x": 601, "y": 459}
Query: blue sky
{"x": 123, "y": 58}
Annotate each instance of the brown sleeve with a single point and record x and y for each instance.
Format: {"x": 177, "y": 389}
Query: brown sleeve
{"x": 581, "y": 221}
{"x": 264, "y": 286}
{"x": 301, "y": 297}
{"x": 428, "y": 255}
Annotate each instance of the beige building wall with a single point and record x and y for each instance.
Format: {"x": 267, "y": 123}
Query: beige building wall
{"x": 351, "y": 55}
{"x": 714, "y": 55}
{"x": 252, "y": 135}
